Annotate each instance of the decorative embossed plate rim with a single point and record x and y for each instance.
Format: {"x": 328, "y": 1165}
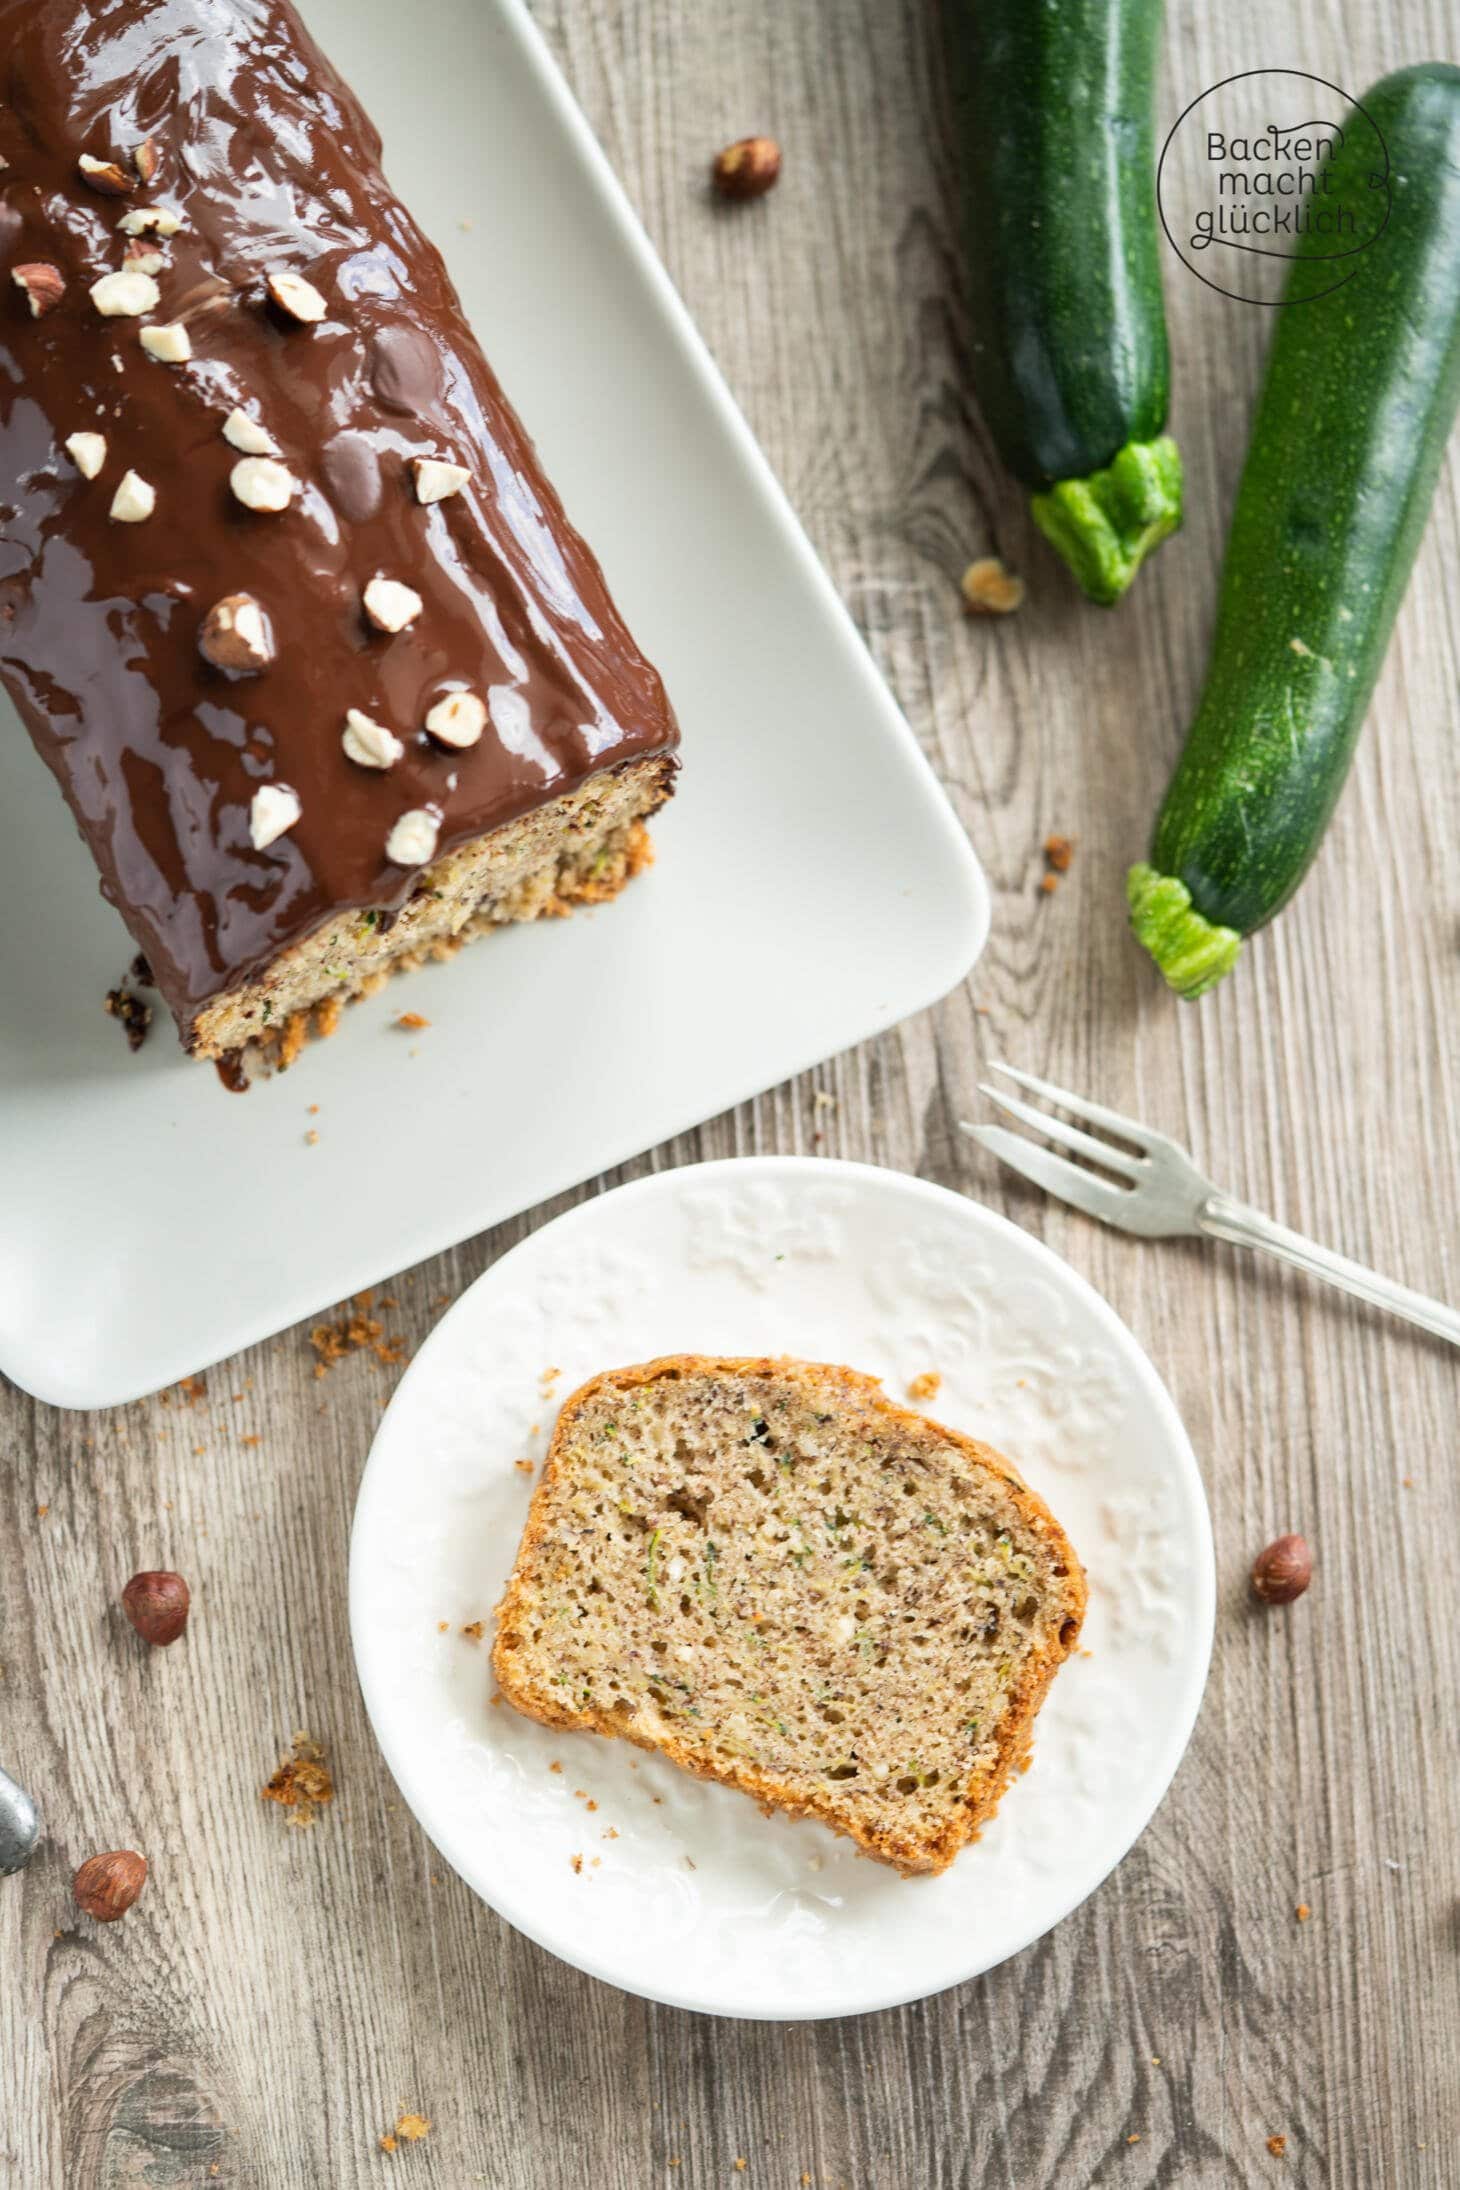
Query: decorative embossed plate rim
{"x": 694, "y": 1899}
{"x": 810, "y": 859}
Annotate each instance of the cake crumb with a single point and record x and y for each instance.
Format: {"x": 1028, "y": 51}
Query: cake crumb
{"x": 332, "y": 1341}
{"x": 412, "y": 1021}
{"x": 41, "y": 1512}
{"x": 926, "y": 1386}
{"x": 1134, "y": 2137}
{"x": 990, "y": 588}
{"x": 193, "y": 1389}
{"x": 1302, "y": 1912}
{"x": 1048, "y": 884}
{"x": 311, "y": 1138}
{"x": 441, "y": 1626}
{"x": 525, "y": 1467}
{"x": 353, "y": 1333}
{"x": 135, "y": 1016}
{"x": 302, "y": 1783}
{"x": 1058, "y": 852}
{"x": 577, "y": 1863}
{"x": 140, "y": 971}
{"x": 740, "y": 2166}
{"x": 475, "y": 1629}
{"x": 555, "y": 1766}
{"x": 1277, "y": 2146}
{"x": 409, "y": 2129}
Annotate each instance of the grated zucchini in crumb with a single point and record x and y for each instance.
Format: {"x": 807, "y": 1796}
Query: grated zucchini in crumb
{"x": 845, "y": 1609}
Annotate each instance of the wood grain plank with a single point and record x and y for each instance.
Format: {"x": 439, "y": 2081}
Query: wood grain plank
{"x": 278, "y": 1997}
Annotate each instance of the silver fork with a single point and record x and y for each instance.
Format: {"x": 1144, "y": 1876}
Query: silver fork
{"x": 1164, "y": 1195}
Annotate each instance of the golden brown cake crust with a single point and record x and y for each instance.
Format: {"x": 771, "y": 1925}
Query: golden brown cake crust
{"x": 839, "y": 1385}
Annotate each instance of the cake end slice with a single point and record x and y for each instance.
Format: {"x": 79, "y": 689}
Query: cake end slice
{"x": 770, "y": 1573}
{"x": 579, "y": 850}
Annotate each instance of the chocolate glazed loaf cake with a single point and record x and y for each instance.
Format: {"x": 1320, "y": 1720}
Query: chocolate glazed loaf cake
{"x": 286, "y": 602}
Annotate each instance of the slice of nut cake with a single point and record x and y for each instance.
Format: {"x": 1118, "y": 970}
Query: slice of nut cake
{"x": 781, "y": 1580}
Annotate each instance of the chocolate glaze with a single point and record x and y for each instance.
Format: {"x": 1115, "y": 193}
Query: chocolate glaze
{"x": 270, "y": 162}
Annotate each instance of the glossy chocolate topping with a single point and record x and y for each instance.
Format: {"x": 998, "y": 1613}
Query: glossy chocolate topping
{"x": 272, "y": 168}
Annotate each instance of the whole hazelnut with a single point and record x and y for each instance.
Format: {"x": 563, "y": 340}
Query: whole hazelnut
{"x": 157, "y": 1606}
{"x": 747, "y": 169}
{"x": 1283, "y": 1571}
{"x": 106, "y": 1885}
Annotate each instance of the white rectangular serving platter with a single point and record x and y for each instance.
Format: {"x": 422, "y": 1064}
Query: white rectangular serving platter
{"x": 812, "y": 884}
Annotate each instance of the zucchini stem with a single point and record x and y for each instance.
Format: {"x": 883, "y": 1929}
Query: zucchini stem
{"x": 1192, "y": 952}
{"x": 1105, "y": 526}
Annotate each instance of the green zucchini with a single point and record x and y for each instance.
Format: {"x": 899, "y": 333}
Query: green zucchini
{"x": 1054, "y": 123}
{"x": 1361, "y": 390}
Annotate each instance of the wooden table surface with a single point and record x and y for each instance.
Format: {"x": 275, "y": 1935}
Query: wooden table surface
{"x": 278, "y": 1998}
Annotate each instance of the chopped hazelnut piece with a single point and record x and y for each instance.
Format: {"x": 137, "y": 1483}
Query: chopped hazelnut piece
{"x": 369, "y": 743}
{"x": 170, "y": 345}
{"x": 248, "y": 436}
{"x": 261, "y": 484}
{"x": 236, "y": 635}
{"x": 87, "y": 452}
{"x": 297, "y": 297}
{"x": 273, "y": 809}
{"x": 390, "y": 605}
{"x": 145, "y": 160}
{"x": 134, "y": 500}
{"x": 144, "y": 262}
{"x": 43, "y": 286}
{"x": 150, "y": 220}
{"x": 105, "y": 175}
{"x": 991, "y": 590}
{"x": 125, "y": 296}
{"x": 435, "y": 481}
{"x": 457, "y": 720}
{"x": 413, "y": 839}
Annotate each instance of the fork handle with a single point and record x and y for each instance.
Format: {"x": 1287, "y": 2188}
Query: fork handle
{"x": 1232, "y": 1220}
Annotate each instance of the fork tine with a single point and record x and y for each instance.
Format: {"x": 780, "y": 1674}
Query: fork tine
{"x": 1068, "y": 1136}
{"x": 1114, "y": 1121}
{"x": 1057, "y": 1176}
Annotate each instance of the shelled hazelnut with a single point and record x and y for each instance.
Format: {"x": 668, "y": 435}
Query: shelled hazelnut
{"x": 1283, "y": 1571}
{"x": 748, "y": 168}
{"x": 106, "y": 1885}
{"x": 157, "y": 1605}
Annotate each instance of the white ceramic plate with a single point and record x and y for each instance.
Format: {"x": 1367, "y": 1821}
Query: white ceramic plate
{"x": 686, "y": 1894}
{"x": 812, "y": 884}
